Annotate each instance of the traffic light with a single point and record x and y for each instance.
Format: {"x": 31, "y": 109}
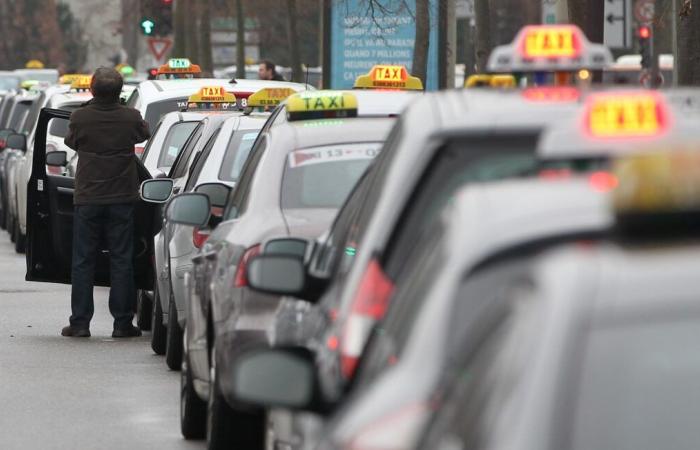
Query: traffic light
{"x": 157, "y": 17}
{"x": 148, "y": 26}
{"x": 645, "y": 36}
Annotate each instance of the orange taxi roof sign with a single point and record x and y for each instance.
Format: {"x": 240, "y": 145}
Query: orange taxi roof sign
{"x": 212, "y": 97}
{"x": 179, "y": 66}
{"x": 633, "y": 114}
{"x": 388, "y": 77}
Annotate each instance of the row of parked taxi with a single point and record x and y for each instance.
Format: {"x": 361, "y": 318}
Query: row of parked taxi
{"x": 382, "y": 268}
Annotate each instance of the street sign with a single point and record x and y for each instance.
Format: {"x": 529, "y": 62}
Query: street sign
{"x": 159, "y": 47}
{"x": 644, "y": 11}
{"x": 464, "y": 9}
{"x": 617, "y": 27}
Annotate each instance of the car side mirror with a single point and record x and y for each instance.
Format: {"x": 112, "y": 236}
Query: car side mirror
{"x": 278, "y": 274}
{"x": 287, "y": 246}
{"x": 58, "y": 158}
{"x": 191, "y": 209}
{"x": 156, "y": 191}
{"x": 284, "y": 378}
{"x": 16, "y": 141}
{"x": 217, "y": 192}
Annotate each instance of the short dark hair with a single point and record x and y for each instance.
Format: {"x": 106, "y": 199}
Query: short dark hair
{"x": 269, "y": 65}
{"x": 106, "y": 83}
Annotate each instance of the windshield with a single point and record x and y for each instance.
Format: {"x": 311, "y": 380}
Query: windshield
{"x": 176, "y": 139}
{"x": 236, "y": 154}
{"x": 322, "y": 177}
{"x": 155, "y": 111}
{"x": 640, "y": 388}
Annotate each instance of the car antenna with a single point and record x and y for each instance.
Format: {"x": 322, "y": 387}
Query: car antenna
{"x": 306, "y": 83}
{"x": 233, "y": 81}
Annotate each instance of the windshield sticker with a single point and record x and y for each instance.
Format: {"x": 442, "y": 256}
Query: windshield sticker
{"x": 322, "y": 155}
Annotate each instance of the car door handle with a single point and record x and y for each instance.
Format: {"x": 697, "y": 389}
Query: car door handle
{"x": 65, "y": 190}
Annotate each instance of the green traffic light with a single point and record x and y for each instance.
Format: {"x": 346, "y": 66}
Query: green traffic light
{"x": 147, "y": 25}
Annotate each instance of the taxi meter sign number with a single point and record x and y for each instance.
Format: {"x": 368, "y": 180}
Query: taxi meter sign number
{"x": 550, "y": 42}
{"x": 626, "y": 115}
{"x": 269, "y": 96}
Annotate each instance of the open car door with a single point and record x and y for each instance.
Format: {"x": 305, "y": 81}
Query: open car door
{"x": 50, "y": 222}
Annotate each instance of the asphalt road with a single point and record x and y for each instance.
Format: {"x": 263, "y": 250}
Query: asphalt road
{"x": 68, "y": 393}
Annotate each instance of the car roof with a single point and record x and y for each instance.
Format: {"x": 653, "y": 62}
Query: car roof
{"x": 153, "y": 90}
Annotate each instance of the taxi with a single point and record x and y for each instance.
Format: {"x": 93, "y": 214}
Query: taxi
{"x": 50, "y": 76}
{"x": 308, "y": 157}
{"x": 210, "y": 164}
{"x": 603, "y": 334}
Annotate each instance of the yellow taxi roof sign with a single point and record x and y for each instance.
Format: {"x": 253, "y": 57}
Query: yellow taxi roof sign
{"x": 549, "y": 48}
{"x": 69, "y": 78}
{"x": 81, "y": 82}
{"x": 503, "y": 81}
{"x": 34, "y": 64}
{"x": 389, "y": 77}
{"x": 269, "y": 96}
{"x": 321, "y": 104}
{"x": 179, "y": 66}
{"x": 657, "y": 183}
{"x": 487, "y": 80}
{"x": 626, "y": 114}
{"x": 212, "y": 97}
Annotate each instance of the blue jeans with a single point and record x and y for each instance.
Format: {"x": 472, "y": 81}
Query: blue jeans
{"x": 116, "y": 224}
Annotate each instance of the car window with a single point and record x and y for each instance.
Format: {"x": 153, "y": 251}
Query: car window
{"x": 156, "y": 110}
{"x": 196, "y": 169}
{"x": 239, "y": 199}
{"x": 59, "y": 128}
{"x": 643, "y": 377}
{"x": 182, "y": 161}
{"x": 322, "y": 177}
{"x": 481, "y": 158}
{"x": 237, "y": 153}
{"x": 19, "y": 115}
{"x": 9, "y": 83}
{"x": 174, "y": 141}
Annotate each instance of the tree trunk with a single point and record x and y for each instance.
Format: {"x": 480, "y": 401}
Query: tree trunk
{"x": 179, "y": 15}
{"x": 589, "y": 15}
{"x": 240, "y": 40}
{"x": 205, "y": 55}
{"x": 297, "y": 72}
{"x": 509, "y": 16}
{"x": 419, "y": 68}
{"x": 688, "y": 57}
{"x": 192, "y": 31}
{"x": 482, "y": 34}
{"x": 130, "y": 30}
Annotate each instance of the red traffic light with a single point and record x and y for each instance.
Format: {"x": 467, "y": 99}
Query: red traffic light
{"x": 644, "y": 32}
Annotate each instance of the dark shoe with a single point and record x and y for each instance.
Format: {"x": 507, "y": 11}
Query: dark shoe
{"x": 132, "y": 331}
{"x": 69, "y": 331}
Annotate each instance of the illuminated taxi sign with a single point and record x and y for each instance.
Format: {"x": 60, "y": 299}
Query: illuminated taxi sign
{"x": 478, "y": 80}
{"x": 626, "y": 115}
{"x": 269, "y": 97}
{"x": 179, "y": 67}
{"x": 658, "y": 183}
{"x": 321, "y": 105}
{"x": 388, "y": 77}
{"x": 212, "y": 98}
{"x": 69, "y": 78}
{"x": 549, "y": 48}
{"x": 81, "y": 82}
{"x": 554, "y": 41}
{"x": 34, "y": 64}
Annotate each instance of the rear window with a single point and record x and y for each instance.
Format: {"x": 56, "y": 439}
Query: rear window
{"x": 322, "y": 177}
{"x": 156, "y": 110}
{"x": 59, "y": 128}
{"x": 174, "y": 142}
{"x": 236, "y": 154}
{"x": 9, "y": 83}
{"x": 19, "y": 114}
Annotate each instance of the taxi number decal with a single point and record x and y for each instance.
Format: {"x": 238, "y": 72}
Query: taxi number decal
{"x": 301, "y": 158}
{"x": 625, "y": 117}
{"x": 550, "y": 43}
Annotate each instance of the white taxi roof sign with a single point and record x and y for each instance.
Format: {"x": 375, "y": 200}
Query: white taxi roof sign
{"x": 388, "y": 77}
{"x": 549, "y": 48}
{"x": 269, "y": 97}
{"x": 321, "y": 105}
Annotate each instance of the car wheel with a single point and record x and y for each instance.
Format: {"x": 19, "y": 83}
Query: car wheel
{"x": 173, "y": 347}
{"x": 158, "y": 332}
{"x": 193, "y": 410}
{"x": 227, "y": 428}
{"x": 144, "y": 310}
{"x": 20, "y": 239}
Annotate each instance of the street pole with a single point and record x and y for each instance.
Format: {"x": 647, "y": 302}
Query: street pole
{"x": 130, "y": 32}
{"x": 674, "y": 41}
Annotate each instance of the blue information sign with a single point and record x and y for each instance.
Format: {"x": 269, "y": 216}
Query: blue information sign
{"x": 359, "y": 41}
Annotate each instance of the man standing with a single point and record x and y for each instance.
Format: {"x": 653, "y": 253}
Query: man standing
{"x": 104, "y": 133}
{"x": 268, "y": 71}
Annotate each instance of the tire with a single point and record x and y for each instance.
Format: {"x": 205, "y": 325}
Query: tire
{"x": 229, "y": 429}
{"x": 144, "y": 310}
{"x": 173, "y": 347}
{"x": 193, "y": 410}
{"x": 158, "y": 332}
{"x": 20, "y": 239}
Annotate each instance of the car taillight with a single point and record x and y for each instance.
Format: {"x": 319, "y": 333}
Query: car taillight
{"x": 138, "y": 149}
{"x": 396, "y": 431}
{"x": 199, "y": 237}
{"x": 603, "y": 181}
{"x": 369, "y": 305}
{"x": 241, "y": 279}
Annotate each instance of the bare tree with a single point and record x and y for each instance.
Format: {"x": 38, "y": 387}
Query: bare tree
{"x": 179, "y": 16}
{"x": 240, "y": 40}
{"x": 297, "y": 72}
{"x": 192, "y": 30}
{"x": 589, "y": 16}
{"x": 688, "y": 41}
{"x": 482, "y": 39}
{"x": 422, "y": 44}
{"x": 205, "y": 50}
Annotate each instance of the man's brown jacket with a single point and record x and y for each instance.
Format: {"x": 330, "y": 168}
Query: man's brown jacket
{"x": 104, "y": 133}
